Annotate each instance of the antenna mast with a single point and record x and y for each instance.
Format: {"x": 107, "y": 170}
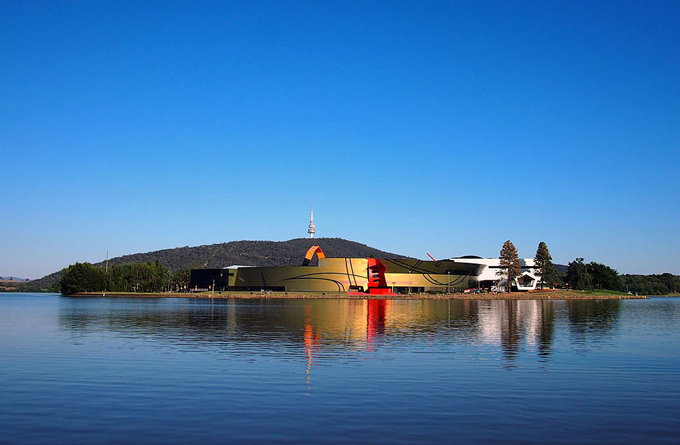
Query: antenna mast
{"x": 311, "y": 228}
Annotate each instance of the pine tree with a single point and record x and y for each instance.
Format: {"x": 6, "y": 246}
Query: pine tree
{"x": 511, "y": 268}
{"x": 544, "y": 266}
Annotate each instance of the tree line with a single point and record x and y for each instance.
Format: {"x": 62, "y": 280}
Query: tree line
{"x": 582, "y": 276}
{"x": 599, "y": 276}
{"x": 585, "y": 276}
{"x": 149, "y": 276}
{"x": 652, "y": 284}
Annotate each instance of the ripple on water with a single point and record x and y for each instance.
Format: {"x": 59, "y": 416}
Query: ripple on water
{"x": 173, "y": 370}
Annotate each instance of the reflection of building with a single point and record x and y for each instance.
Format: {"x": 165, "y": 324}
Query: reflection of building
{"x": 490, "y": 276}
{"x": 353, "y": 326}
{"x": 505, "y": 322}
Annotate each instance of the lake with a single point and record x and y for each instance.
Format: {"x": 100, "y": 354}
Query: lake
{"x": 121, "y": 370}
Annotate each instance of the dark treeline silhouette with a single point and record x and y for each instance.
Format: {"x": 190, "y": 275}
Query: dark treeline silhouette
{"x": 131, "y": 277}
{"x": 582, "y": 276}
{"x": 652, "y": 284}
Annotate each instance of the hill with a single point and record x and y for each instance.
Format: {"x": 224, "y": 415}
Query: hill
{"x": 245, "y": 253}
{"x": 12, "y": 279}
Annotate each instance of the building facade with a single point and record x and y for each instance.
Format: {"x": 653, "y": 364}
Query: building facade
{"x": 491, "y": 277}
{"x": 335, "y": 275}
{"x": 339, "y": 275}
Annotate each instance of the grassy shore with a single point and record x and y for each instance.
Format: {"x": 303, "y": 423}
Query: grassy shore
{"x": 534, "y": 295}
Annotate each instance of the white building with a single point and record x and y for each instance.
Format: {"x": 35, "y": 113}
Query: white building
{"x": 490, "y": 276}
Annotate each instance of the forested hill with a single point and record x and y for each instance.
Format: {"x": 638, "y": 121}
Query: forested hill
{"x": 244, "y": 253}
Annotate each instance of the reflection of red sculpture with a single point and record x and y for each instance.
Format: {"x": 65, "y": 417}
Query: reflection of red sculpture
{"x": 312, "y": 341}
{"x": 375, "y": 318}
{"x": 377, "y": 285}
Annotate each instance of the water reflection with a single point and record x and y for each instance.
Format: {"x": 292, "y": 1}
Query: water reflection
{"x": 509, "y": 323}
{"x": 354, "y": 325}
{"x": 597, "y": 317}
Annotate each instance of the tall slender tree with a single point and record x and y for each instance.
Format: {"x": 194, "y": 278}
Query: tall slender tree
{"x": 511, "y": 268}
{"x": 544, "y": 266}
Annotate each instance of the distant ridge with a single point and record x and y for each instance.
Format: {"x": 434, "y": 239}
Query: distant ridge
{"x": 13, "y": 278}
{"x": 245, "y": 253}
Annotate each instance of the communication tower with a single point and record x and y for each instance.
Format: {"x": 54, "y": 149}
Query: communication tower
{"x": 311, "y": 229}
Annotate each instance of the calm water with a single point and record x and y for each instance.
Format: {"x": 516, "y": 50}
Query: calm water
{"x": 251, "y": 371}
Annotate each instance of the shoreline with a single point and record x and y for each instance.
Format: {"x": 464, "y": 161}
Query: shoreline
{"x": 535, "y": 295}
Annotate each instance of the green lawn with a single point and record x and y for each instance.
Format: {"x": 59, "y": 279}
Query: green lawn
{"x": 596, "y": 292}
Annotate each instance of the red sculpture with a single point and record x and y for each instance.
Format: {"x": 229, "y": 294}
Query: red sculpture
{"x": 377, "y": 285}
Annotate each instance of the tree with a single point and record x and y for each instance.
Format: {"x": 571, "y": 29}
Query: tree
{"x": 671, "y": 282}
{"x": 82, "y": 277}
{"x": 129, "y": 277}
{"x": 578, "y": 276}
{"x": 139, "y": 277}
{"x": 511, "y": 268}
{"x": 544, "y": 266}
{"x": 179, "y": 281}
{"x": 604, "y": 277}
{"x": 652, "y": 284}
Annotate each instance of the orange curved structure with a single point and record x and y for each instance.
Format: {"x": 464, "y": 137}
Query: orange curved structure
{"x": 310, "y": 254}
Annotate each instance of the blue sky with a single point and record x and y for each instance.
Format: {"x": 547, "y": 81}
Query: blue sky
{"x": 414, "y": 127}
